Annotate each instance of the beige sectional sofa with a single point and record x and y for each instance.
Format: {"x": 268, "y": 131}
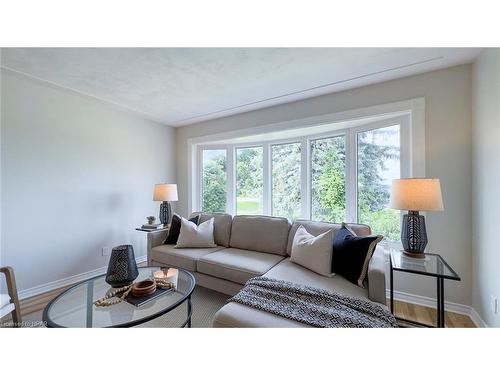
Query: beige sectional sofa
{"x": 250, "y": 246}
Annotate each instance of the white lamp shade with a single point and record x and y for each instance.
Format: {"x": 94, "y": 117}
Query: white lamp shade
{"x": 416, "y": 194}
{"x": 165, "y": 193}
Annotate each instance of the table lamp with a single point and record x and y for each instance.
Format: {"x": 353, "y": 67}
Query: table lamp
{"x": 165, "y": 193}
{"x": 414, "y": 195}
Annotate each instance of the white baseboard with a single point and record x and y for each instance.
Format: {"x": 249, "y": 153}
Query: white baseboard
{"x": 44, "y": 288}
{"x": 476, "y": 318}
{"x": 448, "y": 306}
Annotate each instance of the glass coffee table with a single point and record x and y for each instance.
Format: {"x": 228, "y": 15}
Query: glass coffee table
{"x": 75, "y": 306}
{"x": 433, "y": 265}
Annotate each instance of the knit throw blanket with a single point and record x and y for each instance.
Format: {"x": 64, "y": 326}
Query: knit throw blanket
{"x": 313, "y": 306}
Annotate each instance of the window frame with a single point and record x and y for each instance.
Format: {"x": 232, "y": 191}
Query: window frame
{"x": 301, "y": 145}
{"x": 239, "y": 147}
{"x": 350, "y": 134}
{"x": 405, "y": 166}
{"x": 339, "y": 133}
{"x": 200, "y": 175}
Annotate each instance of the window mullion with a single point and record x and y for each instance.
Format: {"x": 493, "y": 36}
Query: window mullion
{"x": 199, "y": 204}
{"x": 266, "y": 179}
{"x": 305, "y": 196}
{"x": 231, "y": 180}
{"x": 351, "y": 178}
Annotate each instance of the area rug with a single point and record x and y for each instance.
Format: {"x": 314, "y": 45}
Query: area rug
{"x": 205, "y": 302}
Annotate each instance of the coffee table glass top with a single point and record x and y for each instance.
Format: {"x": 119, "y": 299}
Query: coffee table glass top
{"x": 75, "y": 307}
{"x": 431, "y": 265}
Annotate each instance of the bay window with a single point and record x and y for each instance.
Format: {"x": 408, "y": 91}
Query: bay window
{"x": 341, "y": 175}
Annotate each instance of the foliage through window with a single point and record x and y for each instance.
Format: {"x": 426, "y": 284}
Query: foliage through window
{"x": 249, "y": 184}
{"x": 286, "y": 160}
{"x": 378, "y": 163}
{"x": 214, "y": 181}
{"x": 328, "y": 179}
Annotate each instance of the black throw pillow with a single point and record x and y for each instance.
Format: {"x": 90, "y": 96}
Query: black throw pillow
{"x": 175, "y": 229}
{"x": 351, "y": 255}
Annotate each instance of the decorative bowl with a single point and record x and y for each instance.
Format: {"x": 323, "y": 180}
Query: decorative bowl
{"x": 143, "y": 288}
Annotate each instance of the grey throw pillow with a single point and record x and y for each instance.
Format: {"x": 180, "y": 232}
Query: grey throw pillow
{"x": 313, "y": 252}
{"x": 192, "y": 235}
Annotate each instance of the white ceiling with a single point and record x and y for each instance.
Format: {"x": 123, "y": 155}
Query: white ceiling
{"x": 180, "y": 86}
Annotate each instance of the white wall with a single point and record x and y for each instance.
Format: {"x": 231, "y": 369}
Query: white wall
{"x": 486, "y": 183}
{"x": 77, "y": 175}
{"x": 448, "y": 157}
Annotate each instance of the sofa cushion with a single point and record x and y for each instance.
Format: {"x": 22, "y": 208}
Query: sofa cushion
{"x": 294, "y": 273}
{"x": 266, "y": 234}
{"x": 237, "y": 265}
{"x": 222, "y": 226}
{"x": 318, "y": 227}
{"x": 183, "y": 258}
{"x": 237, "y": 315}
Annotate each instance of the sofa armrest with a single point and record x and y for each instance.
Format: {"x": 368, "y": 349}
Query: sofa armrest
{"x": 156, "y": 238}
{"x": 376, "y": 276}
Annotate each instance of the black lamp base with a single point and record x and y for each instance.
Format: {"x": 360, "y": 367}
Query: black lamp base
{"x": 414, "y": 234}
{"x": 165, "y": 213}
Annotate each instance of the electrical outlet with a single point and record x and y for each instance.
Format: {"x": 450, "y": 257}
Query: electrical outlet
{"x": 106, "y": 250}
{"x": 494, "y": 304}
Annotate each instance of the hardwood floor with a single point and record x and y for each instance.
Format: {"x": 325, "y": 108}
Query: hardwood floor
{"x": 427, "y": 315}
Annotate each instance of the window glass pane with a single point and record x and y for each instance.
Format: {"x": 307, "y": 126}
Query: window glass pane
{"x": 286, "y": 180}
{"x": 214, "y": 181}
{"x": 249, "y": 188}
{"x": 328, "y": 179}
{"x": 378, "y": 163}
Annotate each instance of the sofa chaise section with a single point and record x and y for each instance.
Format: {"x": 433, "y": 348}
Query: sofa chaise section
{"x": 236, "y": 315}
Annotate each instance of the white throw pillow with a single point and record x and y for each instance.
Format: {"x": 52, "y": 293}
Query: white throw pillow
{"x": 313, "y": 252}
{"x": 192, "y": 235}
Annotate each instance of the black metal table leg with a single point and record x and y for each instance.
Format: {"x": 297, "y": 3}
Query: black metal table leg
{"x": 190, "y": 311}
{"x": 392, "y": 285}
{"x": 438, "y": 299}
{"x": 441, "y": 291}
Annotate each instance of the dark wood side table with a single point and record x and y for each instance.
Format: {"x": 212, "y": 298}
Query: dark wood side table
{"x": 433, "y": 265}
